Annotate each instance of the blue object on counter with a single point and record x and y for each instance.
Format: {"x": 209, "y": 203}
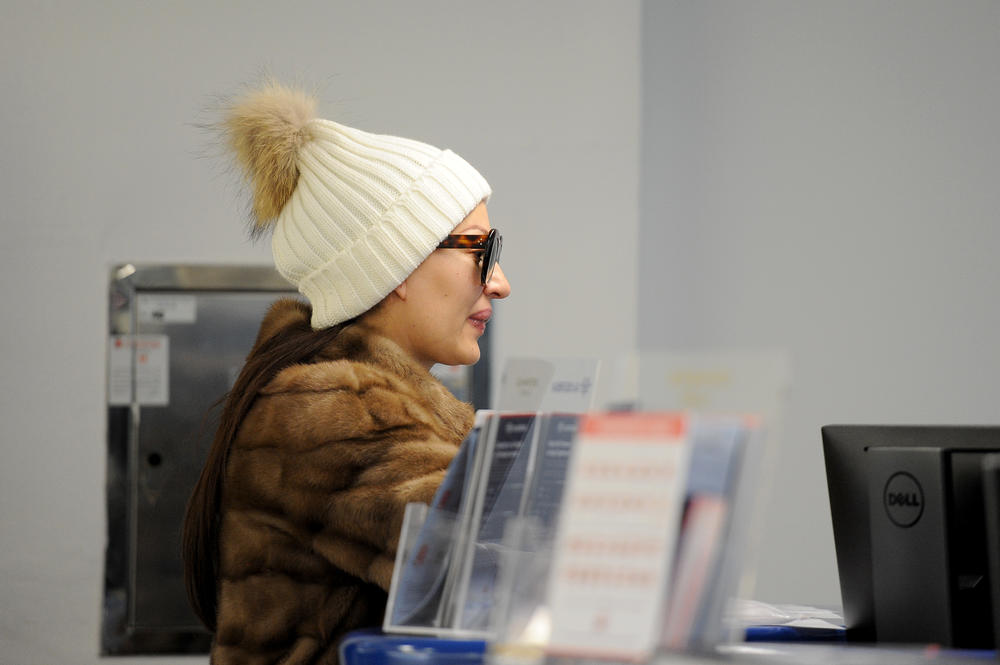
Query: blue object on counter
{"x": 785, "y": 633}
{"x": 373, "y": 647}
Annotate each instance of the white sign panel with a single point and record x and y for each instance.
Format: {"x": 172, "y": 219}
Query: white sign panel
{"x": 719, "y": 381}
{"x": 564, "y": 385}
{"x": 167, "y": 308}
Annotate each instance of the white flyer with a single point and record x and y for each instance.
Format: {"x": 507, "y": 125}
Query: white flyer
{"x": 617, "y": 535}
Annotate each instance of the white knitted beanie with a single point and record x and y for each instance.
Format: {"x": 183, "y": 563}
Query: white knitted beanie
{"x": 353, "y": 213}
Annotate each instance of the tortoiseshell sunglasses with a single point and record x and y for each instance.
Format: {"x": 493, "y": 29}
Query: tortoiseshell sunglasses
{"x": 488, "y": 244}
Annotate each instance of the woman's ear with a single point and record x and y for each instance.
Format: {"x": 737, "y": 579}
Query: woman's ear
{"x": 400, "y": 291}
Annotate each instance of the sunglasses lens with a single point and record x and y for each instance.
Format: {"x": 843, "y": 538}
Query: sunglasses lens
{"x": 491, "y": 254}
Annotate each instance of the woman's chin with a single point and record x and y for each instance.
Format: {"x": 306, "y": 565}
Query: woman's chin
{"x": 469, "y": 354}
{"x": 472, "y": 357}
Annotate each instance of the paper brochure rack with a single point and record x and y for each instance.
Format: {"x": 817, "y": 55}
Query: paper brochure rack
{"x": 608, "y": 535}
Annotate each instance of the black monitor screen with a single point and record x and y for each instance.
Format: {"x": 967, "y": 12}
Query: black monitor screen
{"x": 910, "y": 533}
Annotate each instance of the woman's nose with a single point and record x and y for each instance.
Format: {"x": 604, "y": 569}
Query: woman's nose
{"x": 498, "y": 286}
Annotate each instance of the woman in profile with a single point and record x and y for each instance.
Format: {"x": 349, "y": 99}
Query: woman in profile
{"x": 335, "y": 422}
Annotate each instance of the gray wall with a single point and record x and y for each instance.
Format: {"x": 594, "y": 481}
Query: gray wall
{"x": 822, "y": 177}
{"x": 102, "y": 163}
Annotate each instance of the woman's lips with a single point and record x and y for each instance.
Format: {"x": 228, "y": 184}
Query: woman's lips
{"x": 479, "y": 319}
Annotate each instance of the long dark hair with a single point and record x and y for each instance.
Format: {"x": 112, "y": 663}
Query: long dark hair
{"x": 200, "y": 540}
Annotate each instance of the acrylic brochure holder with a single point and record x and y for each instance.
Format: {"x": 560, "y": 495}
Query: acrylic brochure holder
{"x": 550, "y": 522}
{"x": 448, "y": 563}
{"x": 447, "y": 560}
{"x": 686, "y": 581}
{"x": 514, "y": 539}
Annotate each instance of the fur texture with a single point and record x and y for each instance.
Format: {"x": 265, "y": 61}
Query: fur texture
{"x": 265, "y": 130}
{"x": 317, "y": 481}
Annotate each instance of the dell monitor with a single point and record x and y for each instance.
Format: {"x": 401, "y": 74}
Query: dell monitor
{"x": 910, "y": 530}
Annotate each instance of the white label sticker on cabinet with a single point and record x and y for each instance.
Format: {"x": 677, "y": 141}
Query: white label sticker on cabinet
{"x": 151, "y": 354}
{"x": 167, "y": 308}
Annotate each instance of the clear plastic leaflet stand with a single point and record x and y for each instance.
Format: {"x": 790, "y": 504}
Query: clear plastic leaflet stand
{"x": 444, "y": 581}
{"x": 456, "y": 578}
{"x": 431, "y": 542}
{"x": 721, "y": 480}
{"x": 708, "y": 383}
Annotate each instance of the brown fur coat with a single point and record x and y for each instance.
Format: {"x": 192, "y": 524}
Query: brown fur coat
{"x": 314, "y": 492}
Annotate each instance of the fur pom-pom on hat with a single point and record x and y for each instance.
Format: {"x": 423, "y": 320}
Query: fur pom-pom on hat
{"x": 352, "y": 213}
{"x": 266, "y": 129}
